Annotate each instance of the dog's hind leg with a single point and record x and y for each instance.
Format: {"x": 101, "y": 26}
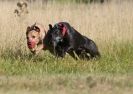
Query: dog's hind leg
{"x": 82, "y": 54}
{"x": 73, "y": 54}
{"x": 92, "y": 49}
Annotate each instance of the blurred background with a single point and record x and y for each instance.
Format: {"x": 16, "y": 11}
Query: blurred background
{"x": 69, "y": 1}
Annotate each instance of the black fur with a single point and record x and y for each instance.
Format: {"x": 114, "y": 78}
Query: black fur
{"x": 72, "y": 41}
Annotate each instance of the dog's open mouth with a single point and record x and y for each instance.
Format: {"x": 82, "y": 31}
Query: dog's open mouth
{"x": 31, "y": 45}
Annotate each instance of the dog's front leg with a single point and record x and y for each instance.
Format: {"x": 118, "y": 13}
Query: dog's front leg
{"x": 60, "y": 52}
{"x": 63, "y": 53}
{"x": 38, "y": 49}
{"x": 68, "y": 49}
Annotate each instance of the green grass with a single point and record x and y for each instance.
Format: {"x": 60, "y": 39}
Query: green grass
{"x": 116, "y": 59}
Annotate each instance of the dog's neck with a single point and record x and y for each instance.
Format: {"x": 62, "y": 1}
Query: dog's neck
{"x": 41, "y": 40}
{"x": 64, "y": 28}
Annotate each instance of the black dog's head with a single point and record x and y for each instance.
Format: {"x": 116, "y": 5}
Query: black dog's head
{"x": 56, "y": 36}
{"x": 57, "y": 33}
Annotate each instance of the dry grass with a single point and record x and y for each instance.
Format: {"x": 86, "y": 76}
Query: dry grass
{"x": 102, "y": 23}
{"x": 109, "y": 25}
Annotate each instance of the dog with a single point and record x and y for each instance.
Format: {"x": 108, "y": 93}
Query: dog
{"x": 35, "y": 35}
{"x": 63, "y": 38}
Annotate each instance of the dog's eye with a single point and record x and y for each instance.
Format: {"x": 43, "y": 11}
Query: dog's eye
{"x": 33, "y": 36}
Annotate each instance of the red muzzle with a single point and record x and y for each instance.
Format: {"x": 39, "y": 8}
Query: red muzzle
{"x": 31, "y": 44}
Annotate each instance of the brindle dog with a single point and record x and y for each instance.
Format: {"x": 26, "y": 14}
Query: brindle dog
{"x": 35, "y": 35}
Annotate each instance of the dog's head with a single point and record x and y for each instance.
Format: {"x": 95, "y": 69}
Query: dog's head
{"x": 58, "y": 32}
{"x": 34, "y": 35}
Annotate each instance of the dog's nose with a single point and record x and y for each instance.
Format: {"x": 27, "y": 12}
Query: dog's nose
{"x": 58, "y": 39}
{"x": 31, "y": 45}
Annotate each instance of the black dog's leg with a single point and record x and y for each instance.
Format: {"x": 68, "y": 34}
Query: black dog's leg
{"x": 71, "y": 53}
{"x": 82, "y": 54}
{"x": 60, "y": 52}
{"x": 92, "y": 49}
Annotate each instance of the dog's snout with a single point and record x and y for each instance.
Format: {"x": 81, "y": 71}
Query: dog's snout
{"x": 29, "y": 43}
{"x": 58, "y": 39}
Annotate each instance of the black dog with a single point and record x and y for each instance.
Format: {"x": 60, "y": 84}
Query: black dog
{"x": 62, "y": 39}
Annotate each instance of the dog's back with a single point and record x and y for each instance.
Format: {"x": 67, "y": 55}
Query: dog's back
{"x": 67, "y": 40}
{"x": 74, "y": 37}
{"x": 78, "y": 42}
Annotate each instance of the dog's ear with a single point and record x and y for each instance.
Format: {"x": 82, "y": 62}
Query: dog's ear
{"x": 61, "y": 25}
{"x": 63, "y": 28}
{"x": 37, "y": 28}
{"x": 50, "y": 26}
{"x": 28, "y": 29}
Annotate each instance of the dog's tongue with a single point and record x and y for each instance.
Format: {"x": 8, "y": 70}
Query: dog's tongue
{"x": 31, "y": 45}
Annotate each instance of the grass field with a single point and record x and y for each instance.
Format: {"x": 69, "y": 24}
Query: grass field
{"x": 109, "y": 25}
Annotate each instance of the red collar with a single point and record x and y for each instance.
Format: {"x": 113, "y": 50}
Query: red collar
{"x": 63, "y": 28}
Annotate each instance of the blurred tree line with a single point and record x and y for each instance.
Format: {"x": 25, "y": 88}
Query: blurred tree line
{"x": 85, "y": 1}
{"x": 76, "y": 1}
